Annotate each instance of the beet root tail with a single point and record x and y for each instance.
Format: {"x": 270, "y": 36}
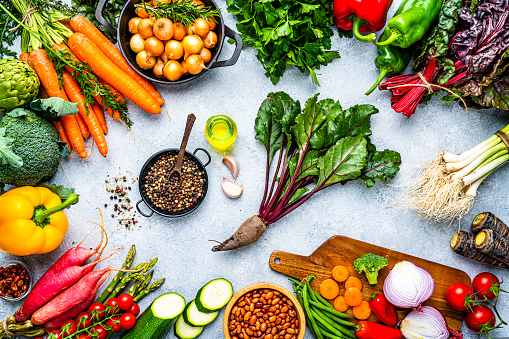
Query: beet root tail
{"x": 250, "y": 231}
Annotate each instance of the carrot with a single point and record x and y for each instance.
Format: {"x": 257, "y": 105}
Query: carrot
{"x": 42, "y": 93}
{"x": 340, "y": 304}
{"x": 71, "y": 297}
{"x": 121, "y": 97}
{"x": 340, "y": 273}
{"x": 329, "y": 289}
{"x": 74, "y": 257}
{"x": 74, "y": 93}
{"x": 83, "y": 25}
{"x": 88, "y": 52}
{"x": 49, "y": 79}
{"x": 72, "y": 313}
{"x": 362, "y": 311}
{"x": 99, "y": 114}
{"x": 353, "y": 296}
{"x": 82, "y": 125}
{"x": 353, "y": 282}
{"x": 25, "y": 57}
{"x": 61, "y": 132}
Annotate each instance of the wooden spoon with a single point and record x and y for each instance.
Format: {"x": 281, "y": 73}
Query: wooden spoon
{"x": 178, "y": 165}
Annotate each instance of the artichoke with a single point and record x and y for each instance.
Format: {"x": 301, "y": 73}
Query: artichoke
{"x": 19, "y": 84}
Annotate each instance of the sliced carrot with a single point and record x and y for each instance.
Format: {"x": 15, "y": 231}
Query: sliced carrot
{"x": 340, "y": 273}
{"x": 74, "y": 93}
{"x": 340, "y": 304}
{"x": 362, "y": 311}
{"x": 88, "y": 52}
{"x": 49, "y": 79}
{"x": 84, "y": 26}
{"x": 353, "y": 296}
{"x": 329, "y": 289}
{"x": 353, "y": 282}
{"x": 100, "y": 116}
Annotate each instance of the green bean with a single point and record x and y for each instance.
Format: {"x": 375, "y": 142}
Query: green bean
{"x": 331, "y": 310}
{"x": 308, "y": 311}
{"x": 325, "y": 320}
{"x": 329, "y": 335}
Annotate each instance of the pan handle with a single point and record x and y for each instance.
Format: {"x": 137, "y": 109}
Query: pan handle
{"x": 139, "y": 210}
{"x": 99, "y": 16}
{"x": 238, "y": 48}
{"x": 207, "y": 153}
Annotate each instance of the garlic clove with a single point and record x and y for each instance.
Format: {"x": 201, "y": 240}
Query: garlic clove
{"x": 231, "y": 189}
{"x": 233, "y": 165}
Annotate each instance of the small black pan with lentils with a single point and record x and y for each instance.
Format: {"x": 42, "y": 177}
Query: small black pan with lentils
{"x": 165, "y": 194}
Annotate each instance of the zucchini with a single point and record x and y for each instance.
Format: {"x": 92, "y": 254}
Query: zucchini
{"x": 158, "y": 319}
{"x": 193, "y": 317}
{"x": 214, "y": 295}
{"x": 184, "y": 331}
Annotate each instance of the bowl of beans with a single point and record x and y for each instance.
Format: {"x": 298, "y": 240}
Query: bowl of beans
{"x": 166, "y": 195}
{"x": 264, "y": 311}
{"x": 15, "y": 280}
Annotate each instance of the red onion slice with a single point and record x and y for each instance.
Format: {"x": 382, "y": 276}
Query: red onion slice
{"x": 408, "y": 285}
{"x": 427, "y": 324}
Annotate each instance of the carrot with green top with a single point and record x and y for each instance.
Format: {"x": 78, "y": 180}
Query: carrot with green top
{"x": 100, "y": 116}
{"x": 74, "y": 93}
{"x": 49, "y": 79}
{"x": 82, "y": 125}
{"x": 83, "y": 25}
{"x": 103, "y": 67}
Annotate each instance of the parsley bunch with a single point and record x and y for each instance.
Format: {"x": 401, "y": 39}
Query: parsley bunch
{"x": 287, "y": 32}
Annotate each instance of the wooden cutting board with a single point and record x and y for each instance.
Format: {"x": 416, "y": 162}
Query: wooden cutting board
{"x": 340, "y": 250}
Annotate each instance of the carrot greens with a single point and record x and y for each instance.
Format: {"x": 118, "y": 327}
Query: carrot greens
{"x": 320, "y": 146}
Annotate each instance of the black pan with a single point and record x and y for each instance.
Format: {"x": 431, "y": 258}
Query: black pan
{"x": 150, "y": 162}
{"x": 124, "y": 36}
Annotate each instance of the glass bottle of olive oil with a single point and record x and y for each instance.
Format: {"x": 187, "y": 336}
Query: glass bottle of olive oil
{"x": 221, "y": 132}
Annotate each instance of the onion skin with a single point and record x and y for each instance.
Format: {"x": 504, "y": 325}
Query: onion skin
{"x": 173, "y": 70}
{"x": 145, "y": 28}
{"x": 163, "y": 29}
{"x": 408, "y": 285}
{"x": 427, "y": 324}
{"x": 133, "y": 24}
{"x": 210, "y": 40}
{"x": 179, "y": 31}
{"x": 137, "y": 43}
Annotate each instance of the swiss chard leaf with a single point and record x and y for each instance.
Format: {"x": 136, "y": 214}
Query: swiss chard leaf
{"x": 7, "y": 156}
{"x": 54, "y": 108}
{"x": 343, "y": 161}
{"x": 309, "y": 164}
{"x": 59, "y": 190}
{"x": 298, "y": 194}
{"x": 380, "y": 165}
{"x": 496, "y": 94}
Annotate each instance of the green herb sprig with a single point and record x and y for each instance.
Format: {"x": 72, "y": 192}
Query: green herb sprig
{"x": 184, "y": 11}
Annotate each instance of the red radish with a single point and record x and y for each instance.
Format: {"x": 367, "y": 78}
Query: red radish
{"x": 71, "y": 297}
{"x": 50, "y": 283}
{"x": 75, "y": 311}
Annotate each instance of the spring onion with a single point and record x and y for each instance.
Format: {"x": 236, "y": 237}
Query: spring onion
{"x": 408, "y": 285}
{"x": 446, "y": 189}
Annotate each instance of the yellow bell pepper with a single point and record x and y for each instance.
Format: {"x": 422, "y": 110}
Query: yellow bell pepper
{"x": 32, "y": 221}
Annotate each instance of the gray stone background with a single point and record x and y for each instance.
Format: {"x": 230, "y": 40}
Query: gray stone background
{"x": 183, "y": 245}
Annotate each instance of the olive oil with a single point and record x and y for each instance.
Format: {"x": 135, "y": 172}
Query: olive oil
{"x": 221, "y": 132}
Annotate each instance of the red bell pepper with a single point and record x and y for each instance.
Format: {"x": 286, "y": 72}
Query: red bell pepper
{"x": 361, "y": 16}
{"x": 370, "y": 330}
{"x": 383, "y": 309}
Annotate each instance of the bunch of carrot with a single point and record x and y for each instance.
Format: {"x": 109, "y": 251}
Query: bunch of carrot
{"x": 88, "y": 45}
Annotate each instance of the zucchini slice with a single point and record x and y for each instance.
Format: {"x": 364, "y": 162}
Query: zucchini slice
{"x": 214, "y": 295}
{"x": 158, "y": 319}
{"x": 193, "y": 316}
{"x": 184, "y": 331}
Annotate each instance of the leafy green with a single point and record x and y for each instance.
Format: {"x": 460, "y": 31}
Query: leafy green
{"x": 7, "y": 155}
{"x": 287, "y": 33}
{"x": 7, "y": 30}
{"x": 54, "y": 108}
{"x": 59, "y": 190}
{"x": 380, "y": 165}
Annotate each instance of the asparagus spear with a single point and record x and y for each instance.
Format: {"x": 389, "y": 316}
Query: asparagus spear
{"x": 140, "y": 285}
{"x": 155, "y": 285}
{"x": 125, "y": 280}
{"x": 127, "y": 264}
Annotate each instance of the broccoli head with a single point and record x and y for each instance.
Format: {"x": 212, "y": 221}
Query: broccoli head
{"x": 29, "y": 148}
{"x": 370, "y": 264}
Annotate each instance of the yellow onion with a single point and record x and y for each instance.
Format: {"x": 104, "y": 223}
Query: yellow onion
{"x": 133, "y": 24}
{"x": 179, "y": 31}
{"x": 210, "y": 40}
{"x": 205, "y": 55}
{"x": 163, "y": 29}
{"x": 141, "y": 12}
{"x": 158, "y": 68}
{"x": 194, "y": 64}
{"x": 145, "y": 28}
{"x": 212, "y": 24}
{"x": 145, "y": 61}
{"x": 154, "y": 47}
{"x": 201, "y": 27}
{"x": 174, "y": 50}
{"x": 173, "y": 70}
{"x": 192, "y": 44}
{"x": 137, "y": 43}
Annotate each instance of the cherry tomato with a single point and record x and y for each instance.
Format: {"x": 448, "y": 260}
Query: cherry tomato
{"x": 97, "y": 311}
{"x": 83, "y": 336}
{"x": 479, "y": 316}
{"x": 84, "y": 319}
{"x": 72, "y": 328}
{"x": 125, "y": 301}
{"x": 114, "y": 323}
{"x": 56, "y": 334}
{"x": 135, "y": 309}
{"x": 99, "y": 332}
{"x": 113, "y": 306}
{"x": 127, "y": 321}
{"x": 456, "y": 294}
{"x": 482, "y": 283}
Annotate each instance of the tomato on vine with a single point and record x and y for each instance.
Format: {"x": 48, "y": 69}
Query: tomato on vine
{"x": 478, "y": 317}
{"x": 113, "y": 306}
{"x": 127, "y": 321}
{"x": 99, "y": 332}
{"x": 484, "y": 285}
{"x": 125, "y": 301}
{"x": 456, "y": 296}
{"x": 84, "y": 319}
{"x": 70, "y": 326}
{"x": 135, "y": 309}
{"x": 97, "y": 311}
{"x": 114, "y": 323}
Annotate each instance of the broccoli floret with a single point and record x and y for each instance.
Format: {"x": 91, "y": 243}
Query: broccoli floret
{"x": 35, "y": 141}
{"x": 370, "y": 264}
